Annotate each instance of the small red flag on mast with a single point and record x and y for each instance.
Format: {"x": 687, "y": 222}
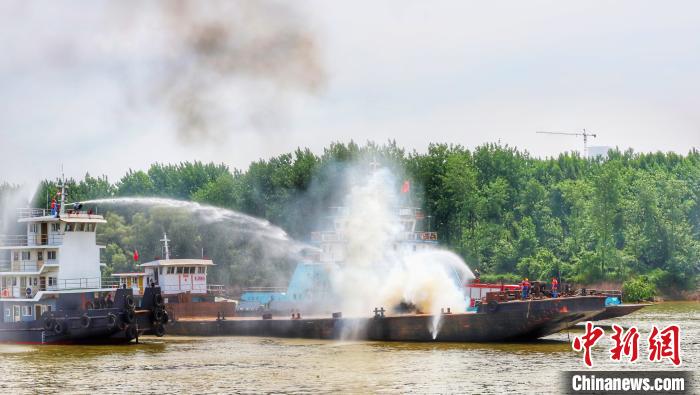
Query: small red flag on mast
{"x": 406, "y": 187}
{"x": 136, "y": 255}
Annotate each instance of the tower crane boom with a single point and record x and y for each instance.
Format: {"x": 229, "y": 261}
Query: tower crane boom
{"x": 586, "y": 134}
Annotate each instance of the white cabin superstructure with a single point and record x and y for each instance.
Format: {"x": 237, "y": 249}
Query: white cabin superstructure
{"x": 174, "y": 276}
{"x": 57, "y": 253}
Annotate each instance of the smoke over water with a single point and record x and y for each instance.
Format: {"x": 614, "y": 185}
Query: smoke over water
{"x": 377, "y": 271}
{"x": 217, "y": 68}
{"x": 234, "y": 61}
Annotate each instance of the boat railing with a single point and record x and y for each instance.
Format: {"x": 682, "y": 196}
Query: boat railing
{"x": 26, "y": 266}
{"x": 5, "y": 265}
{"x": 53, "y": 239}
{"x": 14, "y": 240}
{"x": 30, "y": 291}
{"x": 264, "y": 289}
{"x": 171, "y": 289}
{"x": 215, "y": 288}
{"x": 83, "y": 283}
{"x": 420, "y": 236}
{"x": 326, "y": 236}
{"x": 33, "y": 212}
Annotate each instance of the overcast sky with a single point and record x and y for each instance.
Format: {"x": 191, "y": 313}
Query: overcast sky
{"x": 77, "y": 82}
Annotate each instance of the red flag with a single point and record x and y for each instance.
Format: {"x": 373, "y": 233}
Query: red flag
{"x": 136, "y": 255}
{"x": 406, "y": 187}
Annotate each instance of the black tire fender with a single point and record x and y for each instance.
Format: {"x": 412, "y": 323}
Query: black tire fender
{"x": 48, "y": 323}
{"x": 130, "y": 332}
{"x": 158, "y": 315}
{"x": 60, "y": 327}
{"x": 129, "y": 316}
{"x": 111, "y": 321}
{"x": 166, "y": 318}
{"x": 159, "y": 330}
{"x": 158, "y": 300}
{"x": 129, "y": 301}
{"x": 85, "y": 321}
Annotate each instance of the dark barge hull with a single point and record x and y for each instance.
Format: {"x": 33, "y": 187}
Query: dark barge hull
{"x": 618, "y": 311}
{"x": 510, "y": 321}
{"x": 97, "y": 328}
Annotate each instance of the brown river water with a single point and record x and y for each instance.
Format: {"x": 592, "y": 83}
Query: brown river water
{"x": 265, "y": 365}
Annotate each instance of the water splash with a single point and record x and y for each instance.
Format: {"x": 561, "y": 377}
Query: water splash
{"x": 378, "y": 270}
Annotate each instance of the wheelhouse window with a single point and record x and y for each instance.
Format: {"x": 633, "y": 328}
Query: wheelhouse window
{"x": 26, "y": 255}
{"x": 40, "y": 255}
{"x": 69, "y": 227}
{"x": 26, "y": 310}
{"x": 33, "y": 228}
{"x": 51, "y": 255}
{"x": 55, "y": 227}
{"x": 179, "y": 270}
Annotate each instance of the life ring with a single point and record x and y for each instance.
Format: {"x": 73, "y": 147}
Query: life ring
{"x": 492, "y": 306}
{"x": 111, "y": 321}
{"x": 158, "y": 315}
{"x": 85, "y": 321}
{"x": 48, "y": 323}
{"x": 129, "y": 316}
{"x": 158, "y": 300}
{"x": 5, "y": 293}
{"x": 60, "y": 327}
{"x": 159, "y": 330}
{"x": 129, "y": 301}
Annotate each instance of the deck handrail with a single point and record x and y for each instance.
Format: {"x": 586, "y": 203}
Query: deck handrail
{"x": 26, "y": 212}
{"x": 264, "y": 289}
{"x": 53, "y": 239}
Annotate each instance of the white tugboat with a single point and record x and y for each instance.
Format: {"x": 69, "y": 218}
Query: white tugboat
{"x": 183, "y": 283}
{"x": 51, "y": 289}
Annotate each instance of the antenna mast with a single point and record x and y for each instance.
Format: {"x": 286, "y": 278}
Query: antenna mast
{"x": 166, "y": 247}
{"x": 586, "y": 134}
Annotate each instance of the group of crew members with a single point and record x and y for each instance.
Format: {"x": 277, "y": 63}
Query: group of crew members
{"x": 525, "y": 287}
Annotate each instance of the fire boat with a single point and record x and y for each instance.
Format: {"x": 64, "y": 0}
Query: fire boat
{"x": 51, "y": 288}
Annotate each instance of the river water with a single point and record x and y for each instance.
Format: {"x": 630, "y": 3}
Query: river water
{"x": 264, "y": 365}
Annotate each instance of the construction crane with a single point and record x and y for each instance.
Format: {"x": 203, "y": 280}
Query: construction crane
{"x": 583, "y": 133}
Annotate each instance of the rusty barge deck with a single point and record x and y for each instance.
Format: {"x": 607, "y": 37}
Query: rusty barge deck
{"x": 514, "y": 320}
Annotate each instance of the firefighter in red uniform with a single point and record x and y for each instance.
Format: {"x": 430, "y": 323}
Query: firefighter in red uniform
{"x": 555, "y": 287}
{"x": 526, "y": 288}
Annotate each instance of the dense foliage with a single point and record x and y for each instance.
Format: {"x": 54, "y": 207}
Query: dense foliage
{"x": 639, "y": 289}
{"x": 503, "y": 211}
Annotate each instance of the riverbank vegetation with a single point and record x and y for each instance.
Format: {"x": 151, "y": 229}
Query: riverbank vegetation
{"x": 510, "y": 215}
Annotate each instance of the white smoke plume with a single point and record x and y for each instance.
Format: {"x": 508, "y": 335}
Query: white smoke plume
{"x": 378, "y": 271}
{"x": 11, "y": 199}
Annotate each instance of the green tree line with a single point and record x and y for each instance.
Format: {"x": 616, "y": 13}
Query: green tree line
{"x": 628, "y": 216}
